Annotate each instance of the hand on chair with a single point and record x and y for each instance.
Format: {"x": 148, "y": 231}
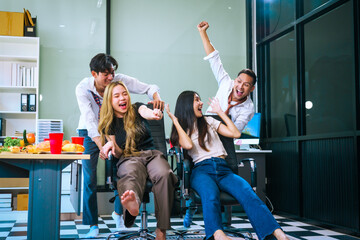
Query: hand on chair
{"x": 109, "y": 146}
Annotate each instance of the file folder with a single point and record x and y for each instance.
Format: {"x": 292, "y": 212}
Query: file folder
{"x": 24, "y": 102}
{"x": 31, "y": 102}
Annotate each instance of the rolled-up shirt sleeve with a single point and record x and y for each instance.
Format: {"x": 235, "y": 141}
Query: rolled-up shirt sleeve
{"x": 217, "y": 67}
{"x": 135, "y": 86}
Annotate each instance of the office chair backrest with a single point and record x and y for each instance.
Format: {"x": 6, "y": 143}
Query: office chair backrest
{"x": 158, "y": 133}
{"x": 229, "y": 147}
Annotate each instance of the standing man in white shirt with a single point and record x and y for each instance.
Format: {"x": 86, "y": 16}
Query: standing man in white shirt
{"x": 89, "y": 94}
{"x": 233, "y": 95}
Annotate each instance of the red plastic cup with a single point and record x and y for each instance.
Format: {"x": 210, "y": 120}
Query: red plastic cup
{"x": 56, "y": 142}
{"x": 78, "y": 140}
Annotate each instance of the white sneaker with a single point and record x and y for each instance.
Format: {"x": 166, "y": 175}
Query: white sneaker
{"x": 93, "y": 233}
{"x": 119, "y": 221}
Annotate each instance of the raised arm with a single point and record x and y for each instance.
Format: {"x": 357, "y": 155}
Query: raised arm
{"x": 184, "y": 139}
{"x": 228, "y": 129}
{"x": 135, "y": 86}
{"x": 202, "y": 27}
{"x": 150, "y": 114}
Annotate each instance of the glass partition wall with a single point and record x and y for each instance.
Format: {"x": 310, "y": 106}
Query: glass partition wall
{"x": 308, "y": 68}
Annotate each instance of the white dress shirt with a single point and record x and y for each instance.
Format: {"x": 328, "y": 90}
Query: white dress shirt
{"x": 89, "y": 109}
{"x": 242, "y": 113}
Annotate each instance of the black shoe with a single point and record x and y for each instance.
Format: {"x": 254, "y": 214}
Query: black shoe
{"x": 129, "y": 219}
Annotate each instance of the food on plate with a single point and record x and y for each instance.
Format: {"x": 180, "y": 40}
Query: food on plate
{"x": 4, "y": 149}
{"x": 80, "y": 148}
{"x": 43, "y": 146}
{"x": 14, "y": 149}
{"x": 72, "y": 147}
{"x": 65, "y": 142}
{"x": 31, "y": 149}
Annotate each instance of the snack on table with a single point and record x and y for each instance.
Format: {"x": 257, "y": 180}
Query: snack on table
{"x": 31, "y": 149}
{"x": 14, "y": 149}
{"x": 43, "y": 146}
{"x": 72, "y": 147}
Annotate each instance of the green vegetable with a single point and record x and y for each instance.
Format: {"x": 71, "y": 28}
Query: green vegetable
{"x": 9, "y": 142}
{"x": 25, "y": 138}
{"x": 4, "y": 149}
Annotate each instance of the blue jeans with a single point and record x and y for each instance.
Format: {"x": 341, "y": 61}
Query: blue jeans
{"x": 90, "y": 207}
{"x": 213, "y": 175}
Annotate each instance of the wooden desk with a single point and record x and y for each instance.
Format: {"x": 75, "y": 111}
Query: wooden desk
{"x": 244, "y": 172}
{"x": 44, "y": 190}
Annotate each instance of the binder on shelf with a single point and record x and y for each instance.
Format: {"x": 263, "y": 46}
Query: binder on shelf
{"x": 5, "y": 200}
{"x": 31, "y": 102}
{"x": 6, "y": 209}
{"x": 5, "y": 195}
{"x": 28, "y": 77}
{"x": 5, "y": 204}
{"x": 2, "y": 127}
{"x": 24, "y": 102}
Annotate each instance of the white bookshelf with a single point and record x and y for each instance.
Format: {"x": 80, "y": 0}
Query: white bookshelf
{"x": 19, "y": 74}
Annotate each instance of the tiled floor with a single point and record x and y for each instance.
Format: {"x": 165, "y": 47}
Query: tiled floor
{"x": 16, "y": 229}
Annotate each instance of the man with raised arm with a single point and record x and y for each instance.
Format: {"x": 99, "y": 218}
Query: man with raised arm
{"x": 234, "y": 95}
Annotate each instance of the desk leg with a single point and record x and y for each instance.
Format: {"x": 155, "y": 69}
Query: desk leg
{"x": 44, "y": 199}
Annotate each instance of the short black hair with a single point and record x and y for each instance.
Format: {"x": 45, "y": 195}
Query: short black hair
{"x": 250, "y": 73}
{"x": 103, "y": 62}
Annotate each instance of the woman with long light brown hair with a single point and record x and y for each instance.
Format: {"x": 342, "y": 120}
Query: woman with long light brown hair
{"x": 126, "y": 130}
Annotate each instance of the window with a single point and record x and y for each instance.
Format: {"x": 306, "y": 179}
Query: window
{"x": 279, "y": 13}
{"x": 329, "y": 72}
{"x": 283, "y": 86}
{"x": 310, "y": 5}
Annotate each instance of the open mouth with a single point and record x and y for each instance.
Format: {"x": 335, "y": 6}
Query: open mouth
{"x": 239, "y": 93}
{"x": 122, "y": 105}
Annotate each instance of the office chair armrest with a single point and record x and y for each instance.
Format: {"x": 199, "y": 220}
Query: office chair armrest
{"x": 252, "y": 170}
{"x": 109, "y": 170}
{"x": 176, "y": 152}
{"x": 186, "y": 179}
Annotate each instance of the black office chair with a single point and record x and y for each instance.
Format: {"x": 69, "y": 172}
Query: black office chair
{"x": 158, "y": 134}
{"x": 226, "y": 199}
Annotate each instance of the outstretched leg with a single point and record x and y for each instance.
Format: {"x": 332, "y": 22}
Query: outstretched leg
{"x": 129, "y": 202}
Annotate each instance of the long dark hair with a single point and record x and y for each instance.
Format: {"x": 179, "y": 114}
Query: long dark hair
{"x": 184, "y": 111}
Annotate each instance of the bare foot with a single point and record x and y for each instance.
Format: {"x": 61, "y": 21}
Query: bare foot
{"x": 128, "y": 200}
{"x": 160, "y": 234}
{"x": 220, "y": 235}
{"x": 280, "y": 235}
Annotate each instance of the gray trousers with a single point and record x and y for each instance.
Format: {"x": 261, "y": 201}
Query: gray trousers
{"x": 133, "y": 172}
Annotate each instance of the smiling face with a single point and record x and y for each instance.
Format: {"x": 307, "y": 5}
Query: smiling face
{"x": 198, "y": 104}
{"x": 102, "y": 79}
{"x": 243, "y": 86}
{"x": 120, "y": 101}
